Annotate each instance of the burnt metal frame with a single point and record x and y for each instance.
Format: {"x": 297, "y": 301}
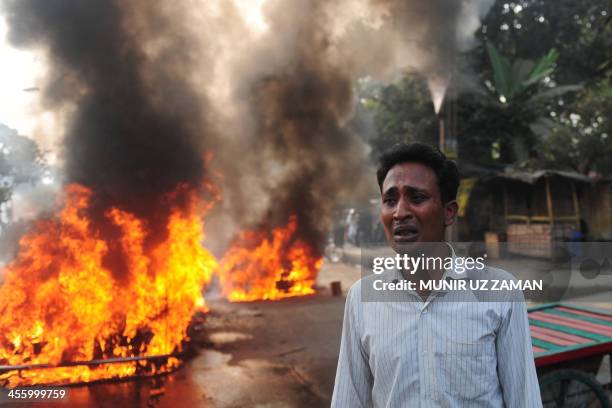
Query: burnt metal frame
{"x": 116, "y": 360}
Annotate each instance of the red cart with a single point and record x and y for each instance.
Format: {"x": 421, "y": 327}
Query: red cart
{"x": 569, "y": 346}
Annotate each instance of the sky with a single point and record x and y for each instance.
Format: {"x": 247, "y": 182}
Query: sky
{"x": 22, "y": 78}
{"x": 22, "y": 72}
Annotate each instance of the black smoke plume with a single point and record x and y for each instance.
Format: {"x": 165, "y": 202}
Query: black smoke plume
{"x": 279, "y": 132}
{"x": 294, "y": 93}
{"x": 137, "y": 130}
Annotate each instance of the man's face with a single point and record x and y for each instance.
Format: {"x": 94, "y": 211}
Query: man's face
{"x": 412, "y": 208}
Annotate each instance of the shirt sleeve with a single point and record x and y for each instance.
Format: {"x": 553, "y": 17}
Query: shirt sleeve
{"x": 353, "y": 385}
{"x": 515, "y": 363}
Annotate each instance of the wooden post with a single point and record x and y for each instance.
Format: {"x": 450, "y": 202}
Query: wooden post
{"x": 549, "y": 204}
{"x": 551, "y": 216}
{"x": 505, "y": 203}
{"x": 576, "y": 206}
{"x": 442, "y": 135}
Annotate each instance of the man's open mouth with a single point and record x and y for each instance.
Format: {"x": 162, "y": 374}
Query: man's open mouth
{"x": 405, "y": 234}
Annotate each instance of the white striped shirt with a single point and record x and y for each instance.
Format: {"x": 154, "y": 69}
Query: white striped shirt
{"x": 450, "y": 351}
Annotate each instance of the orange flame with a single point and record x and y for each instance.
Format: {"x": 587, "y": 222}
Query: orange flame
{"x": 269, "y": 266}
{"x": 60, "y": 304}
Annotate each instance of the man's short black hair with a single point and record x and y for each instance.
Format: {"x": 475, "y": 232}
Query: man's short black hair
{"x": 445, "y": 169}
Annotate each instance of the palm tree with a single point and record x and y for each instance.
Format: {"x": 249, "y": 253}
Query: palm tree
{"x": 523, "y": 91}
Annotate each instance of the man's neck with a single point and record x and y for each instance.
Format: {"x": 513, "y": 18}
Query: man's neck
{"x": 426, "y": 274}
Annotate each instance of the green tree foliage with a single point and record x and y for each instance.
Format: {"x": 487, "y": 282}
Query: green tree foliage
{"x": 569, "y": 43}
{"x": 401, "y": 112}
{"x": 21, "y": 161}
{"x": 503, "y": 123}
{"x": 540, "y": 65}
{"x": 514, "y": 79}
{"x": 581, "y": 138}
{"x": 580, "y": 31}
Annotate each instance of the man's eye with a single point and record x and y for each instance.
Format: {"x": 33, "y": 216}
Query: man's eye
{"x": 418, "y": 198}
{"x": 389, "y": 201}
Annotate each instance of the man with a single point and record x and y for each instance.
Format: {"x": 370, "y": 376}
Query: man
{"x": 432, "y": 348}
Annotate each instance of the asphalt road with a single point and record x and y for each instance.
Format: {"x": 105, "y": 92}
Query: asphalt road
{"x": 260, "y": 354}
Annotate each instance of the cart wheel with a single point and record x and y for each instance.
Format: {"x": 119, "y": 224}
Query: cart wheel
{"x": 572, "y": 389}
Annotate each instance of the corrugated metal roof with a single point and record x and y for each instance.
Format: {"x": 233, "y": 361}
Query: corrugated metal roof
{"x": 533, "y": 177}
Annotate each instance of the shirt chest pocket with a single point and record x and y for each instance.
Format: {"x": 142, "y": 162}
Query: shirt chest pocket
{"x": 466, "y": 371}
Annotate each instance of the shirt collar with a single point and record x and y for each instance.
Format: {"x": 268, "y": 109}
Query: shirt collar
{"x": 448, "y": 273}
{"x": 452, "y": 272}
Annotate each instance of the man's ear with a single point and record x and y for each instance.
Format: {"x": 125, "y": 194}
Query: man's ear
{"x": 450, "y": 212}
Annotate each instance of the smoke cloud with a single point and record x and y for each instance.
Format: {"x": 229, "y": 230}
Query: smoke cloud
{"x": 153, "y": 85}
{"x": 138, "y": 129}
{"x": 289, "y": 93}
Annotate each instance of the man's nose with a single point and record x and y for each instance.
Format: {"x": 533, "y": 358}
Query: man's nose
{"x": 402, "y": 210}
